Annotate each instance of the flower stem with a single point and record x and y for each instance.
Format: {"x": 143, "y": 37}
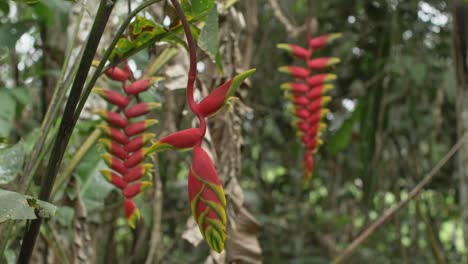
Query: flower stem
{"x": 192, "y": 76}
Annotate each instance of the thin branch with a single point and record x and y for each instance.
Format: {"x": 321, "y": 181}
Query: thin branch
{"x": 293, "y": 30}
{"x": 393, "y": 210}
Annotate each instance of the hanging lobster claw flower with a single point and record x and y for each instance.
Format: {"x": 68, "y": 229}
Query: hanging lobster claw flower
{"x": 295, "y": 87}
{"x": 321, "y": 41}
{"x": 114, "y": 179}
{"x": 112, "y": 97}
{"x": 117, "y": 74}
{"x": 212, "y": 103}
{"x": 318, "y": 91}
{"x": 321, "y": 63}
{"x": 295, "y": 50}
{"x": 319, "y": 79}
{"x": 114, "y": 148}
{"x": 135, "y": 158}
{"x": 140, "y": 109}
{"x": 308, "y": 166}
{"x": 132, "y": 213}
{"x": 114, "y": 134}
{"x": 137, "y": 173}
{"x": 207, "y": 199}
{"x": 302, "y": 113}
{"x": 112, "y": 118}
{"x": 140, "y": 86}
{"x": 295, "y": 71}
{"x": 318, "y": 104}
{"x": 139, "y": 127}
{"x": 181, "y": 140}
{"x": 300, "y": 100}
{"x": 114, "y": 163}
{"x": 133, "y": 190}
{"x": 138, "y": 142}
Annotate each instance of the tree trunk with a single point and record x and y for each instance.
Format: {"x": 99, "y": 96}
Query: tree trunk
{"x": 460, "y": 37}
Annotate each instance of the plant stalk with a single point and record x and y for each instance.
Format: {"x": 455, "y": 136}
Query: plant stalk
{"x": 67, "y": 124}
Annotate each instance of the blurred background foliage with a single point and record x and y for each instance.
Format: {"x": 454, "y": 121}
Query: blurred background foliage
{"x": 392, "y": 118}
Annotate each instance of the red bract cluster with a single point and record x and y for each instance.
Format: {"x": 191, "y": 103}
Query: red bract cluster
{"x": 126, "y": 137}
{"x": 206, "y": 193}
{"x": 207, "y": 200}
{"x": 307, "y": 93}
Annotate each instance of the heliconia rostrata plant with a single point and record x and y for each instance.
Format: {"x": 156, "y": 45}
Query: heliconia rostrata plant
{"x": 126, "y": 138}
{"x": 308, "y": 94}
{"x": 127, "y": 141}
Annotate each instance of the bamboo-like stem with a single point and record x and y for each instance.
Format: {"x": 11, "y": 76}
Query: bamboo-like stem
{"x": 192, "y": 76}
{"x": 66, "y": 125}
{"x": 393, "y": 210}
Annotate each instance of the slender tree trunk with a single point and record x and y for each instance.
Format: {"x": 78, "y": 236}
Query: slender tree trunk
{"x": 460, "y": 37}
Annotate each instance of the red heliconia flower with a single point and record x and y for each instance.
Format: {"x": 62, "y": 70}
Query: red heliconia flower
{"x": 114, "y": 148}
{"x": 134, "y": 159}
{"x": 207, "y": 199}
{"x": 112, "y": 97}
{"x": 318, "y": 104}
{"x": 115, "y": 179}
{"x": 114, "y": 163}
{"x": 132, "y": 213}
{"x": 318, "y": 91}
{"x": 114, "y": 134}
{"x": 138, "y": 142}
{"x": 181, "y": 140}
{"x": 295, "y": 50}
{"x": 296, "y": 88}
{"x": 321, "y": 63}
{"x": 303, "y": 126}
{"x": 308, "y": 165}
{"x": 315, "y": 117}
{"x": 140, "y": 109}
{"x": 295, "y": 71}
{"x": 301, "y": 100}
{"x": 138, "y": 86}
{"x": 302, "y": 113}
{"x": 113, "y": 118}
{"x": 219, "y": 97}
{"x": 139, "y": 127}
{"x": 321, "y": 41}
{"x": 126, "y": 156}
{"x": 117, "y": 74}
{"x": 133, "y": 190}
{"x": 137, "y": 173}
{"x": 308, "y": 97}
{"x": 319, "y": 79}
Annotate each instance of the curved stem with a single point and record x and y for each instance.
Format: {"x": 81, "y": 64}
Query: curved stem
{"x": 192, "y": 76}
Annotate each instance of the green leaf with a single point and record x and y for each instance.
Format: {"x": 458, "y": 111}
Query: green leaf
{"x": 4, "y": 7}
{"x": 16, "y": 206}
{"x": 341, "y": 138}
{"x": 199, "y": 7}
{"x": 11, "y": 162}
{"x": 208, "y": 40}
{"x": 94, "y": 188}
{"x": 7, "y": 112}
{"x": 11, "y": 32}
